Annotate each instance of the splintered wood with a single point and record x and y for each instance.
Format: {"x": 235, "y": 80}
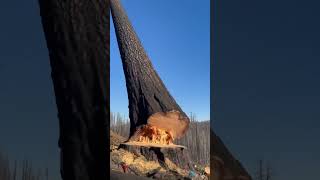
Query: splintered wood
{"x": 153, "y": 135}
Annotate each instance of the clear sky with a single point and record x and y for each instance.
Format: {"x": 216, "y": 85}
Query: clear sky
{"x": 176, "y": 36}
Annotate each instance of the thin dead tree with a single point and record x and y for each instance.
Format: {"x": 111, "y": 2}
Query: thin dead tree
{"x": 260, "y": 171}
{"x": 264, "y": 171}
{"x": 150, "y": 103}
{"x": 18, "y": 170}
{"x": 269, "y": 172}
{"x": 77, "y": 36}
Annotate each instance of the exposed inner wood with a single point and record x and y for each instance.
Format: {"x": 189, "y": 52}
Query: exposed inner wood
{"x": 171, "y": 121}
{"x": 161, "y": 128}
{"x": 144, "y": 144}
{"x": 152, "y": 134}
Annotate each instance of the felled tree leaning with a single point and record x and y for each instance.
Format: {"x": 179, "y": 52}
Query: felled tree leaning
{"x": 150, "y": 103}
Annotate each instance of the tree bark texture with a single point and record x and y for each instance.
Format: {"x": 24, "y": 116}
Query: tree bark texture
{"x": 223, "y": 163}
{"x": 77, "y": 36}
{"x": 147, "y": 94}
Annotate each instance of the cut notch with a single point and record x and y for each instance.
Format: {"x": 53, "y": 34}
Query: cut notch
{"x": 171, "y": 121}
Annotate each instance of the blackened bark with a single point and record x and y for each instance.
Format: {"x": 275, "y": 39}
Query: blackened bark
{"x": 146, "y": 92}
{"x": 77, "y": 35}
{"x": 223, "y": 163}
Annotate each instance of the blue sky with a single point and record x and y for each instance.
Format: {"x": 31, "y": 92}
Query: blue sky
{"x": 176, "y": 36}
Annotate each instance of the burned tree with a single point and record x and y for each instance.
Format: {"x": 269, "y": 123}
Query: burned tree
{"x": 154, "y": 114}
{"x": 264, "y": 171}
{"x": 222, "y": 162}
{"x": 77, "y": 36}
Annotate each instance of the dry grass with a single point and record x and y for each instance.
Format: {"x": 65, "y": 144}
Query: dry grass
{"x": 139, "y": 162}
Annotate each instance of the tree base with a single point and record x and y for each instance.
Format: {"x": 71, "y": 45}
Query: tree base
{"x": 166, "y": 155}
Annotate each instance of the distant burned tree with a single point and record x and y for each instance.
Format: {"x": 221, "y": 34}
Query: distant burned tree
{"x": 264, "y": 171}
{"x": 197, "y": 140}
{"x": 119, "y": 124}
{"x": 19, "y": 170}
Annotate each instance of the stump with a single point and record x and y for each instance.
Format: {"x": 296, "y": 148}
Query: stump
{"x": 177, "y": 154}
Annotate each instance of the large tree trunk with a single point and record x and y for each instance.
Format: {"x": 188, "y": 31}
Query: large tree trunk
{"x": 149, "y": 100}
{"x": 77, "y": 35}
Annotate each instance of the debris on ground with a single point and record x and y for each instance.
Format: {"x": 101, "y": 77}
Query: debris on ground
{"x": 123, "y": 161}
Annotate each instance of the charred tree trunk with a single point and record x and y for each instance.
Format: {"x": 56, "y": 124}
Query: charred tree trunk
{"x": 224, "y": 165}
{"x": 77, "y": 35}
{"x": 149, "y": 100}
